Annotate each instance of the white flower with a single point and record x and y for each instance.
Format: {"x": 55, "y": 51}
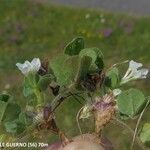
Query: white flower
{"x": 28, "y": 67}
{"x": 134, "y": 72}
{"x": 116, "y": 92}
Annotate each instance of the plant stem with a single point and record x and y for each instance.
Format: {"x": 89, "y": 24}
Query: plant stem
{"x": 131, "y": 131}
{"x": 138, "y": 122}
{"x": 77, "y": 119}
{"x": 60, "y": 97}
{"x": 39, "y": 96}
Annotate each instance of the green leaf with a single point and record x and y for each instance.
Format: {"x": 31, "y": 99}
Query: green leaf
{"x": 12, "y": 112}
{"x": 98, "y": 52}
{"x": 44, "y": 82}
{"x": 130, "y": 102}
{"x": 99, "y": 62}
{"x": 3, "y": 108}
{"x": 75, "y": 46}
{"x": 112, "y": 78}
{"x": 96, "y": 56}
{"x": 27, "y": 91}
{"x": 27, "y": 87}
{"x": 65, "y": 69}
{"x": 14, "y": 127}
{"x": 24, "y": 118}
{"x": 145, "y": 134}
{"x": 4, "y": 99}
{"x": 85, "y": 63}
{"x": 36, "y": 78}
{"x": 122, "y": 116}
{"x": 30, "y": 84}
{"x": 9, "y": 111}
{"x": 11, "y": 127}
{"x": 90, "y": 53}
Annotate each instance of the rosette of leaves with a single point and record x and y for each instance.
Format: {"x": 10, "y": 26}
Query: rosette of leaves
{"x": 76, "y": 63}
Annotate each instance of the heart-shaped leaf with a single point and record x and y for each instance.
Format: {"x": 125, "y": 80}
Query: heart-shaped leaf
{"x": 96, "y": 56}
{"x": 130, "y": 102}
{"x": 85, "y": 63}
{"x": 65, "y": 68}
{"x": 75, "y": 46}
{"x": 44, "y": 82}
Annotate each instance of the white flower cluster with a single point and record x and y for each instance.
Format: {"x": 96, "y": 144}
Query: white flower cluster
{"x": 134, "y": 72}
{"x": 28, "y": 67}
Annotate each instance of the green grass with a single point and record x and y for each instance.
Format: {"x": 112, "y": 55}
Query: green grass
{"x": 29, "y": 30}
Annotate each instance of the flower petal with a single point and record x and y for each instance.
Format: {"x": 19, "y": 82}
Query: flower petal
{"x": 27, "y": 67}
{"x": 134, "y": 72}
{"x": 134, "y": 65}
{"x": 24, "y": 68}
{"x": 36, "y": 64}
{"x": 141, "y": 74}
